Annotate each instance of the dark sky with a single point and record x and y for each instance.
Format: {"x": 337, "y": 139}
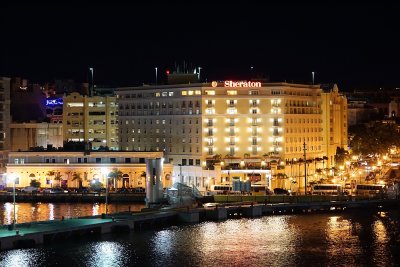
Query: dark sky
{"x": 355, "y": 45}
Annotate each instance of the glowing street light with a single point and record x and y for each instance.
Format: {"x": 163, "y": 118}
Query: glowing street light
{"x": 13, "y": 178}
{"x": 105, "y": 172}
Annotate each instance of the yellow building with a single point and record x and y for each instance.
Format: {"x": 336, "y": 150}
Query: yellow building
{"x": 91, "y": 119}
{"x": 239, "y": 125}
{"x": 46, "y": 166}
{"x": 27, "y": 135}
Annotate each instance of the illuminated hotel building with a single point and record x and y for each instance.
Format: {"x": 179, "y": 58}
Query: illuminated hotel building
{"x": 38, "y": 165}
{"x": 246, "y": 130}
{"x": 91, "y": 119}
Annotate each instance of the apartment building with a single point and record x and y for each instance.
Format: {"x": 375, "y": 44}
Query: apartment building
{"x": 91, "y": 119}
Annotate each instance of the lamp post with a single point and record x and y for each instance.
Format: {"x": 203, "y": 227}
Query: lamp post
{"x": 104, "y": 171}
{"x": 14, "y": 220}
{"x": 13, "y": 178}
{"x": 305, "y": 168}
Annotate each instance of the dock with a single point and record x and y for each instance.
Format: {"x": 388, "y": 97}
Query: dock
{"x": 37, "y": 233}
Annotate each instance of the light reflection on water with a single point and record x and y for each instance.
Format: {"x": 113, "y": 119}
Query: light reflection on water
{"x": 28, "y": 212}
{"x": 21, "y": 258}
{"x": 107, "y": 254}
{"x": 326, "y": 239}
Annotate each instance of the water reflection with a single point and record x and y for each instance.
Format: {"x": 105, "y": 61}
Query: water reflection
{"x": 359, "y": 238}
{"x": 28, "y": 212}
{"x": 106, "y": 254}
{"x": 256, "y": 242}
{"x": 21, "y": 258}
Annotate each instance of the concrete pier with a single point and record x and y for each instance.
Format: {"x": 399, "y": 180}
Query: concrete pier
{"x": 252, "y": 210}
{"x": 190, "y": 216}
{"x": 216, "y": 214}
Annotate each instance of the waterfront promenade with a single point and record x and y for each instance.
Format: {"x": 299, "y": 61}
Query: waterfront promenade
{"x": 31, "y": 234}
{"x": 72, "y": 197}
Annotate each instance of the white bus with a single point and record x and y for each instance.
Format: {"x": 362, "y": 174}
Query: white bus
{"x": 219, "y": 189}
{"x": 260, "y": 189}
{"x": 326, "y": 189}
{"x": 368, "y": 189}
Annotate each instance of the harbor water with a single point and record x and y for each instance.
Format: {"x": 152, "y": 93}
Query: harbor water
{"x": 345, "y": 238}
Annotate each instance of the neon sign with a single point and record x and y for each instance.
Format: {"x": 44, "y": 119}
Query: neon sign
{"x": 241, "y": 84}
{"x": 54, "y": 102}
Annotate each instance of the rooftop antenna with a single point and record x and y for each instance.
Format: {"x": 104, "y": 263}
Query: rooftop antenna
{"x": 312, "y": 73}
{"x": 91, "y": 82}
{"x": 198, "y": 74}
{"x": 156, "y": 74}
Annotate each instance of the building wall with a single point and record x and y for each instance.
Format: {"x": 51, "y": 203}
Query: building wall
{"x": 91, "y": 119}
{"x": 28, "y": 135}
{"x": 198, "y": 123}
{"x": 335, "y": 123}
{"x": 5, "y": 116}
{"x": 5, "y": 119}
{"x": 37, "y": 165}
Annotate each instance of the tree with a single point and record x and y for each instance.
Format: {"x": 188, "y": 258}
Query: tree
{"x": 58, "y": 177}
{"x": 341, "y": 155}
{"x": 51, "y": 174}
{"x": 35, "y": 183}
{"x": 77, "y": 177}
{"x": 115, "y": 175}
{"x": 375, "y": 138}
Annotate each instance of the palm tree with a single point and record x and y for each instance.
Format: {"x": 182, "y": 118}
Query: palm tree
{"x": 58, "y": 177}
{"x": 143, "y": 175}
{"x": 115, "y": 175}
{"x": 51, "y": 175}
{"x": 77, "y": 177}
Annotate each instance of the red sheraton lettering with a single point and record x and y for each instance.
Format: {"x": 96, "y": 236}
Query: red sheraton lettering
{"x": 242, "y": 84}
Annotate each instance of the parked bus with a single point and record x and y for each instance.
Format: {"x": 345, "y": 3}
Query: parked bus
{"x": 326, "y": 189}
{"x": 368, "y": 189}
{"x": 260, "y": 189}
{"x": 218, "y": 189}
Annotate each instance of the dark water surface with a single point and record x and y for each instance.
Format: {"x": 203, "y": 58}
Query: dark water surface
{"x": 33, "y": 212}
{"x": 356, "y": 238}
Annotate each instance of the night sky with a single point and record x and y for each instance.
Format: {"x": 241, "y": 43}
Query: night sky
{"x": 355, "y": 45}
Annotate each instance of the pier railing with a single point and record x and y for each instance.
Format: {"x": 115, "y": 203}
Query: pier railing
{"x": 291, "y": 199}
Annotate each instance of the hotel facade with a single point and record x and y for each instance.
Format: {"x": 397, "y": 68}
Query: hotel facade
{"x": 45, "y": 166}
{"x": 216, "y": 132}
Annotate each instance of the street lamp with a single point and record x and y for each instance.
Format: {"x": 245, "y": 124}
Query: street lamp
{"x": 104, "y": 171}
{"x": 13, "y": 178}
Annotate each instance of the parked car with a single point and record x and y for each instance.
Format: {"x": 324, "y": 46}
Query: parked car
{"x": 281, "y": 191}
{"x": 30, "y": 189}
{"x": 11, "y": 189}
{"x": 138, "y": 190}
{"x": 58, "y": 190}
{"x": 46, "y": 190}
{"x": 82, "y": 190}
{"x": 124, "y": 190}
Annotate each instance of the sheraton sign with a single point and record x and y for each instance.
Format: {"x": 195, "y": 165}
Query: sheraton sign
{"x": 241, "y": 84}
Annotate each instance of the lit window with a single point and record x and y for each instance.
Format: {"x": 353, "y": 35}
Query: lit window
{"x": 231, "y": 110}
{"x": 231, "y": 92}
{"x": 210, "y": 92}
{"x": 184, "y": 92}
{"x": 190, "y": 92}
{"x": 197, "y": 92}
{"x": 158, "y": 94}
{"x": 210, "y": 111}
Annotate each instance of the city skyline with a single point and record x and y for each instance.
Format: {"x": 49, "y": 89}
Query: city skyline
{"x": 350, "y": 44}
